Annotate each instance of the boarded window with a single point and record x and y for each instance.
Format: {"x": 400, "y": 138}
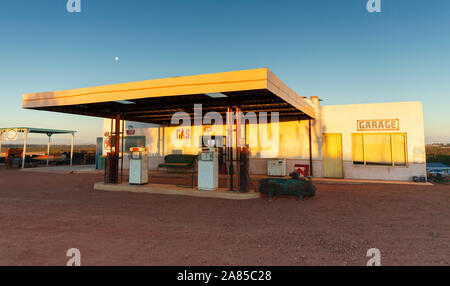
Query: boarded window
{"x": 358, "y": 149}
{"x": 399, "y": 149}
{"x": 386, "y": 149}
{"x": 378, "y": 149}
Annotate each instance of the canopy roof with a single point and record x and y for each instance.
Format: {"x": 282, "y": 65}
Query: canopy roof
{"x": 155, "y": 101}
{"x": 38, "y": 130}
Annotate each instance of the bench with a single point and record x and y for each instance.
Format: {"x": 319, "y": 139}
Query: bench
{"x": 180, "y": 161}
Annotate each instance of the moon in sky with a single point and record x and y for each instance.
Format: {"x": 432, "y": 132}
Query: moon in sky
{"x": 116, "y": 59}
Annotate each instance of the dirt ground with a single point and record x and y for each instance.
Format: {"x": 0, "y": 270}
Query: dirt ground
{"x": 43, "y": 215}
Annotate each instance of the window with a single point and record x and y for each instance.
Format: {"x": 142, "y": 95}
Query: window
{"x": 385, "y": 149}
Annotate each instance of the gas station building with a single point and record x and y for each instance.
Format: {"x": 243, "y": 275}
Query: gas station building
{"x": 392, "y": 150}
{"x": 381, "y": 141}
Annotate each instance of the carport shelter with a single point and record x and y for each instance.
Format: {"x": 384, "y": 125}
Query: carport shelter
{"x": 30, "y": 130}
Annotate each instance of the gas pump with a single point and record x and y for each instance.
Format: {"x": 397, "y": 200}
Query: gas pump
{"x": 208, "y": 169}
{"x": 138, "y": 165}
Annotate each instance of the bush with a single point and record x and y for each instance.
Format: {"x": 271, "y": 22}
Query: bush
{"x": 437, "y": 154}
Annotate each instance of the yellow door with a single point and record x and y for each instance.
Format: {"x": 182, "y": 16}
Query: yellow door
{"x": 332, "y": 155}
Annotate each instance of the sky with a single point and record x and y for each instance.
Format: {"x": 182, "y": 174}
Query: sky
{"x": 333, "y": 49}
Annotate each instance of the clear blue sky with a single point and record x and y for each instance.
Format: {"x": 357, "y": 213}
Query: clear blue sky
{"x": 333, "y": 49}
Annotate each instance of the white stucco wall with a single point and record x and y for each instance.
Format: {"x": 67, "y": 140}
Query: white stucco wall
{"x": 343, "y": 119}
{"x": 294, "y": 140}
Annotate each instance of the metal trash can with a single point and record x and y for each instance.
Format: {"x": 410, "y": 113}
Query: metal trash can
{"x": 101, "y": 160}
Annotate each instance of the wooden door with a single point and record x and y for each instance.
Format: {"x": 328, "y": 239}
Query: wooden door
{"x": 332, "y": 155}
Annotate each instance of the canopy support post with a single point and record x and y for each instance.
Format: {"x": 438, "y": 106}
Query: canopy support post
{"x": 229, "y": 142}
{"x": 48, "y": 146}
{"x": 163, "y": 141}
{"x": 123, "y": 151}
{"x": 310, "y": 149}
{"x": 71, "y": 150}
{"x": 115, "y": 172}
{"x": 1, "y": 135}
{"x": 24, "y": 148}
{"x": 238, "y": 149}
{"x": 112, "y": 162}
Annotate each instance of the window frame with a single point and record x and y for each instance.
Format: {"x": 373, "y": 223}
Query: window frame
{"x": 392, "y": 149}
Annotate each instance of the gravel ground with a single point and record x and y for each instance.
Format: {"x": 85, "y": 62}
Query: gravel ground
{"x": 43, "y": 215}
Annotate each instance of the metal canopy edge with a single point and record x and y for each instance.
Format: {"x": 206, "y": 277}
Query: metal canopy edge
{"x": 156, "y": 100}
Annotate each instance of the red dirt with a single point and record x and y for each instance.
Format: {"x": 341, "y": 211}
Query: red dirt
{"x": 43, "y": 215}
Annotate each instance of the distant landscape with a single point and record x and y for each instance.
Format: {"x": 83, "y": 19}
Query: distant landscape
{"x": 438, "y": 153}
{"x": 54, "y": 149}
{"x": 435, "y": 153}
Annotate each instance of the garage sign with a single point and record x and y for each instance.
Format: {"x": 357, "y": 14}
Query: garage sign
{"x": 378, "y": 124}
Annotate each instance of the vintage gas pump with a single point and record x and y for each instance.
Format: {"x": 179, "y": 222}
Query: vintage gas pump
{"x": 138, "y": 165}
{"x": 208, "y": 169}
